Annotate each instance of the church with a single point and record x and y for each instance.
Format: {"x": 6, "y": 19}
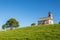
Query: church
{"x": 46, "y": 20}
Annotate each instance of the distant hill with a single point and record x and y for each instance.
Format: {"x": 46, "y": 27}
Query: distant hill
{"x": 41, "y": 32}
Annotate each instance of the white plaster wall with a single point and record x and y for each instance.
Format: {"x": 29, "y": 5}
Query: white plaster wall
{"x": 50, "y": 21}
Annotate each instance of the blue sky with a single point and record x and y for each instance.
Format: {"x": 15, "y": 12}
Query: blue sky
{"x": 28, "y": 11}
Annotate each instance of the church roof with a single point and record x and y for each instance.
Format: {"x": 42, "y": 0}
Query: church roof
{"x": 44, "y": 18}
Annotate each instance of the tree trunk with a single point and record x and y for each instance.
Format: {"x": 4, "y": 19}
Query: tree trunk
{"x": 11, "y": 28}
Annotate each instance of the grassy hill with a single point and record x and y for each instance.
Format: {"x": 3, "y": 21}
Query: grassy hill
{"x": 41, "y": 32}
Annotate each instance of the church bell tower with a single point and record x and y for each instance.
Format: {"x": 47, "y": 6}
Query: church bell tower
{"x": 50, "y": 18}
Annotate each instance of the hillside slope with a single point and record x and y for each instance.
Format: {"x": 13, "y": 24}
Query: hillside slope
{"x": 41, "y": 32}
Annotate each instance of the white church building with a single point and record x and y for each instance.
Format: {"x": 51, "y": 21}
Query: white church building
{"x": 46, "y": 20}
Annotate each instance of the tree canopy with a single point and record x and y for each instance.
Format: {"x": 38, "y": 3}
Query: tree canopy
{"x": 33, "y": 24}
{"x": 11, "y": 23}
{"x": 59, "y": 22}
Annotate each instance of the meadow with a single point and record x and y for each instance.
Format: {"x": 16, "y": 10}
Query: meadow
{"x": 40, "y": 32}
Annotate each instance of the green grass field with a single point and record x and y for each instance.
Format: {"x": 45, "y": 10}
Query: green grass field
{"x": 41, "y": 32}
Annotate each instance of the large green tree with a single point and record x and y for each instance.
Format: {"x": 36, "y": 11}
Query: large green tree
{"x": 11, "y": 23}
